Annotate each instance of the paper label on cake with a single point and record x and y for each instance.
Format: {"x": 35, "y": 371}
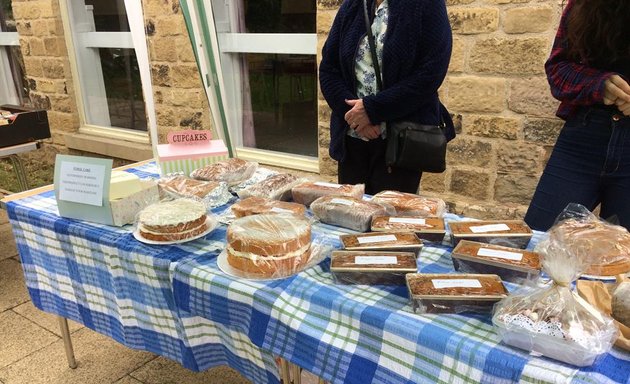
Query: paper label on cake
{"x": 380, "y": 260}
{"x": 489, "y": 228}
{"x": 375, "y": 239}
{"x": 329, "y": 185}
{"x": 390, "y": 193}
{"x": 341, "y": 201}
{"x": 456, "y": 283}
{"x": 500, "y": 254}
{"x": 280, "y": 210}
{"x": 81, "y": 183}
{"x": 407, "y": 220}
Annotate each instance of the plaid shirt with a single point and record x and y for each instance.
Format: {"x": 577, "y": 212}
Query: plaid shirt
{"x": 575, "y": 84}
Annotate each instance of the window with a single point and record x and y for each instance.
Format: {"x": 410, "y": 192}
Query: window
{"x": 13, "y": 89}
{"x": 268, "y": 61}
{"x": 109, "y": 80}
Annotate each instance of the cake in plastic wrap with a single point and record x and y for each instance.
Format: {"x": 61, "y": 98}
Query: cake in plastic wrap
{"x": 348, "y": 212}
{"x": 426, "y": 228}
{"x": 256, "y": 205}
{"x": 173, "y": 221}
{"x": 307, "y": 192}
{"x": 275, "y": 187}
{"x": 508, "y": 233}
{"x": 409, "y": 204}
{"x": 554, "y": 320}
{"x": 269, "y": 245}
{"x": 372, "y": 267}
{"x": 383, "y": 241}
{"x": 232, "y": 171}
{"x": 212, "y": 193}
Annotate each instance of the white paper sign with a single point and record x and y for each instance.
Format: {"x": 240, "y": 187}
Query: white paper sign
{"x": 407, "y": 220}
{"x": 489, "y": 228}
{"x": 376, "y": 239}
{"x": 81, "y": 183}
{"x": 280, "y": 210}
{"x": 341, "y": 201}
{"x": 487, "y": 252}
{"x": 456, "y": 283}
{"x": 376, "y": 260}
{"x": 329, "y": 185}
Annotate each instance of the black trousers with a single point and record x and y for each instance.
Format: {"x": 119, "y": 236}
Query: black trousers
{"x": 365, "y": 163}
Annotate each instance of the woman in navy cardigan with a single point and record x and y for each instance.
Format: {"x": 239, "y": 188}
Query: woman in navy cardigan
{"x": 413, "y": 43}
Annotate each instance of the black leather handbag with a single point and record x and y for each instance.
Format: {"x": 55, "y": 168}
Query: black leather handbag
{"x": 410, "y": 145}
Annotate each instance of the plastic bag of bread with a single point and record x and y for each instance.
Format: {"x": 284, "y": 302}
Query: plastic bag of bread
{"x": 212, "y": 193}
{"x": 307, "y": 192}
{"x": 409, "y": 204}
{"x": 348, "y": 212}
{"x": 554, "y": 320}
{"x": 275, "y": 187}
{"x": 255, "y": 205}
{"x": 270, "y": 246}
{"x": 232, "y": 171}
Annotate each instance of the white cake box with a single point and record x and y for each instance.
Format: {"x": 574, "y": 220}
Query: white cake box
{"x": 189, "y": 150}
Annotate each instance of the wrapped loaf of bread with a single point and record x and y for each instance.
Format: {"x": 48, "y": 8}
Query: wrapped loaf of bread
{"x": 256, "y": 205}
{"x": 276, "y": 187}
{"x": 621, "y": 303}
{"x": 348, "y": 212}
{"x": 309, "y": 191}
{"x": 212, "y": 193}
{"x": 409, "y": 204}
{"x": 232, "y": 171}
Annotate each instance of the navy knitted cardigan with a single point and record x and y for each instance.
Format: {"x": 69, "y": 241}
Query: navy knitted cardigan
{"x": 416, "y": 55}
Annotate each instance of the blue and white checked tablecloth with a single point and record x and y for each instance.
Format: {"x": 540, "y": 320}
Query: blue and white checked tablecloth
{"x": 176, "y": 302}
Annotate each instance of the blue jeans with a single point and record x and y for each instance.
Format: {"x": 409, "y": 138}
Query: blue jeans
{"x": 589, "y": 165}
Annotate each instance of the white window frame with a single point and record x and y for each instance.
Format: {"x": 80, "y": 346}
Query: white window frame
{"x": 83, "y": 43}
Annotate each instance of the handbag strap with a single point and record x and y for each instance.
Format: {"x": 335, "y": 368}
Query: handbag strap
{"x": 372, "y": 43}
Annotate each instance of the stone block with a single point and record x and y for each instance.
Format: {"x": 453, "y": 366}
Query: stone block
{"x": 323, "y": 136}
{"x": 192, "y": 98}
{"x": 471, "y": 152}
{"x": 161, "y": 75}
{"x": 458, "y": 55}
{"x": 36, "y": 46}
{"x": 53, "y": 68}
{"x": 55, "y": 46}
{"x": 471, "y": 183}
{"x": 60, "y": 121}
{"x": 24, "y": 28}
{"x": 531, "y": 96}
{"x": 185, "y": 76}
{"x": 46, "y": 86}
{"x": 495, "y": 127}
{"x": 324, "y": 112}
{"x": 542, "y": 131}
{"x": 328, "y": 4}
{"x": 433, "y": 182}
{"x": 458, "y": 2}
{"x": 55, "y": 27}
{"x": 327, "y": 166}
{"x": 171, "y": 25}
{"x": 184, "y": 49}
{"x": 510, "y": 56}
{"x": 39, "y": 27}
{"x": 166, "y": 116}
{"x": 40, "y": 101}
{"x": 325, "y": 19}
{"x": 162, "y": 49}
{"x": 33, "y": 65}
{"x": 519, "y": 157}
{"x": 476, "y": 94}
{"x": 473, "y": 20}
{"x": 514, "y": 188}
{"x": 528, "y": 19}
{"x": 62, "y": 103}
{"x": 153, "y": 8}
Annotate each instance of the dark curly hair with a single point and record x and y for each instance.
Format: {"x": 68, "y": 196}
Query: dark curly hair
{"x": 599, "y": 31}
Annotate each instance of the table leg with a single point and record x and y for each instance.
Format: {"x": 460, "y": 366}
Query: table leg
{"x": 297, "y": 374}
{"x": 20, "y": 172}
{"x": 67, "y": 342}
{"x": 284, "y": 371}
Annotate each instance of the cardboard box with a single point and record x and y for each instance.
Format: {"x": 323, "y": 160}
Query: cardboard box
{"x": 186, "y": 158}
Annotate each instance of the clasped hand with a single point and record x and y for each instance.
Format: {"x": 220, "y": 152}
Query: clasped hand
{"x": 617, "y": 91}
{"x": 358, "y": 120}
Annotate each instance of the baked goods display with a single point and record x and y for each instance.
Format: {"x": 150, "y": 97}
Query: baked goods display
{"x": 269, "y": 245}
{"x": 553, "y": 319}
{"x": 509, "y": 233}
{"x": 621, "y": 303}
{"x": 426, "y": 228}
{"x": 307, "y": 192}
{"x": 256, "y": 205}
{"x": 372, "y": 267}
{"x": 232, "y": 171}
{"x": 275, "y": 187}
{"x": 384, "y": 241}
{"x": 454, "y": 293}
{"x": 510, "y": 264}
{"x": 409, "y": 204}
{"x": 348, "y": 212}
{"x": 213, "y": 193}
{"x": 175, "y": 220}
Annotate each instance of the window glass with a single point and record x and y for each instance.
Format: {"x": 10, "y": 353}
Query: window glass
{"x": 109, "y": 16}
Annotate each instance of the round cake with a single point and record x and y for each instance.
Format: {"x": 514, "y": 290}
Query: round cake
{"x": 172, "y": 220}
{"x": 269, "y": 245}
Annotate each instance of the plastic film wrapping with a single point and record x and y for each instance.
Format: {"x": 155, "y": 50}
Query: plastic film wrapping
{"x": 307, "y": 192}
{"x": 348, "y": 212}
{"x": 256, "y": 205}
{"x": 211, "y": 193}
{"x": 372, "y": 267}
{"x": 269, "y": 246}
{"x": 553, "y": 320}
{"x": 507, "y": 233}
{"x": 232, "y": 171}
{"x": 174, "y": 221}
{"x": 409, "y": 204}
{"x": 275, "y": 187}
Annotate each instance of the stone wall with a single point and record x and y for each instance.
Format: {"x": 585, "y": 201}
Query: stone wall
{"x": 497, "y": 91}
